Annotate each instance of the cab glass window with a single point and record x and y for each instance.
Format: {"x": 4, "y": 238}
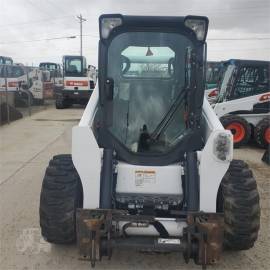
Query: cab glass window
{"x": 149, "y": 74}
{"x": 75, "y": 67}
{"x": 14, "y": 71}
{"x": 251, "y": 80}
{"x": 148, "y": 62}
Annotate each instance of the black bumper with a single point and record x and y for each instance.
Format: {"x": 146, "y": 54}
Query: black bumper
{"x": 74, "y": 94}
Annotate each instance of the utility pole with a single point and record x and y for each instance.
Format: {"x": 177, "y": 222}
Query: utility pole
{"x": 81, "y": 20}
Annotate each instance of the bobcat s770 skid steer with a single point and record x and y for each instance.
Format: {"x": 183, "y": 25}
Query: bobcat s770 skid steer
{"x": 151, "y": 167}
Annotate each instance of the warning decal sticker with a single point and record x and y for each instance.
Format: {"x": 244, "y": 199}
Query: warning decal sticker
{"x": 145, "y": 177}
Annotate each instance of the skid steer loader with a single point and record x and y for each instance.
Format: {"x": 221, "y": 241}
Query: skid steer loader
{"x": 138, "y": 177}
{"x": 243, "y": 101}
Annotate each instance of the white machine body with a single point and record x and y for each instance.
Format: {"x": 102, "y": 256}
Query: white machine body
{"x": 135, "y": 179}
{"x": 34, "y": 80}
{"x": 243, "y": 104}
{"x": 144, "y": 187}
{"x": 76, "y": 83}
{"x": 76, "y": 76}
{"x": 135, "y": 182}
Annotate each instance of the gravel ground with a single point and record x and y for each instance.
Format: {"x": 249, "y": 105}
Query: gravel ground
{"x": 25, "y": 149}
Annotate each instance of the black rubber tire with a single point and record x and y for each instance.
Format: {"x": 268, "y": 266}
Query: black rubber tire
{"x": 61, "y": 103}
{"x": 259, "y": 132}
{"x": 239, "y": 200}
{"x": 229, "y": 119}
{"x": 61, "y": 195}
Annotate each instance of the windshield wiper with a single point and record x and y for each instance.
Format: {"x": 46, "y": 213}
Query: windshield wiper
{"x": 169, "y": 115}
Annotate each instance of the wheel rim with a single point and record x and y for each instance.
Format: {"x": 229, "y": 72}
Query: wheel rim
{"x": 267, "y": 135}
{"x": 238, "y": 131}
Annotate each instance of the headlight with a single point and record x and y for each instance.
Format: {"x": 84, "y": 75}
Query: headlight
{"x": 108, "y": 24}
{"x": 199, "y": 25}
{"x": 223, "y": 146}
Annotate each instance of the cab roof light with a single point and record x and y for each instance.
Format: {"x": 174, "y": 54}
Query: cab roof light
{"x": 198, "y": 25}
{"x": 108, "y": 24}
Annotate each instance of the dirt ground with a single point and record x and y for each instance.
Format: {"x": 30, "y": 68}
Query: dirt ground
{"x": 25, "y": 148}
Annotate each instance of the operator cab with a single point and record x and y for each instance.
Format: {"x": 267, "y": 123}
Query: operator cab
{"x": 6, "y": 60}
{"x": 213, "y": 74}
{"x": 244, "y": 78}
{"x": 151, "y": 83}
{"x": 74, "y": 66}
{"x": 49, "y": 66}
{"x": 11, "y": 71}
{"x": 77, "y": 85}
{"x": 53, "y": 68}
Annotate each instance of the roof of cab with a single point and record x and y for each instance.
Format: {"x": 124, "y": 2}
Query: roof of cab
{"x": 246, "y": 62}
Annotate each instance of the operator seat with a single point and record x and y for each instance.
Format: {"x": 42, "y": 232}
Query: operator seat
{"x": 72, "y": 69}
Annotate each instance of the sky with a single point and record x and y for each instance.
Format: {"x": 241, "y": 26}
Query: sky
{"x": 34, "y": 31}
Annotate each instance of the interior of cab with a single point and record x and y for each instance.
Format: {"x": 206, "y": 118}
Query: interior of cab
{"x": 148, "y": 75}
{"x": 75, "y": 66}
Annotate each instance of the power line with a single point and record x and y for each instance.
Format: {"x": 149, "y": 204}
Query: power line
{"x": 236, "y": 49}
{"x": 36, "y": 40}
{"x": 231, "y": 39}
{"x": 45, "y": 39}
{"x": 94, "y": 36}
{"x": 34, "y": 22}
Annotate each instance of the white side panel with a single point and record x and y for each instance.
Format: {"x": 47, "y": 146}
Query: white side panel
{"x": 37, "y": 89}
{"x": 211, "y": 121}
{"x": 86, "y": 157}
{"x": 211, "y": 169}
{"x": 12, "y": 84}
{"x": 241, "y": 104}
{"x": 149, "y": 179}
{"x": 90, "y": 109}
{"x": 81, "y": 83}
